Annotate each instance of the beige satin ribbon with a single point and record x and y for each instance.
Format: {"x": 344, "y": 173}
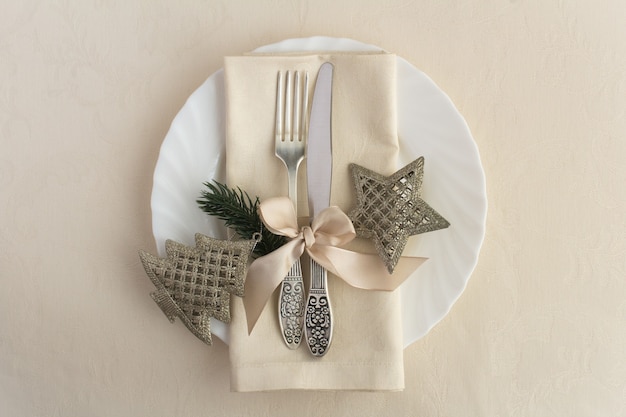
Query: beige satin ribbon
{"x": 329, "y": 229}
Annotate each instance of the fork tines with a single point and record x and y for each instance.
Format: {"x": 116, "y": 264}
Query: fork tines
{"x": 292, "y": 93}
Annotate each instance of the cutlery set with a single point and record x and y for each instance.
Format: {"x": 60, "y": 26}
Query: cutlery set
{"x": 296, "y": 135}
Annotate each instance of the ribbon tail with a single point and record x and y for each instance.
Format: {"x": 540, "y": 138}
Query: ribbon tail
{"x": 264, "y": 275}
{"x": 365, "y": 271}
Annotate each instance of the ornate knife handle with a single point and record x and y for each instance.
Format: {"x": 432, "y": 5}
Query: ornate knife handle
{"x": 318, "y": 322}
{"x": 291, "y": 306}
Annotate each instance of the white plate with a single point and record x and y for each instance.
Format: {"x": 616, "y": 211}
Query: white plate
{"x": 428, "y": 125}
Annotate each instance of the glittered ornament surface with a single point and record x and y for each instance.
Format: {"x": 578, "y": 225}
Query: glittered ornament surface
{"x": 390, "y": 210}
{"x": 195, "y": 283}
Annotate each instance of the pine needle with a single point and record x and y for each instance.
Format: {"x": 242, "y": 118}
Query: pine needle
{"x": 239, "y": 213}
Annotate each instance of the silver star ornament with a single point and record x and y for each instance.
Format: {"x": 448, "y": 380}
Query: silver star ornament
{"x": 390, "y": 209}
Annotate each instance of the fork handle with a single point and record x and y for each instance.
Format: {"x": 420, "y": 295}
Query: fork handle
{"x": 318, "y": 319}
{"x": 292, "y": 175}
{"x": 291, "y": 306}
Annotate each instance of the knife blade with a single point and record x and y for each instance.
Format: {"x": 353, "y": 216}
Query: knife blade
{"x": 318, "y": 322}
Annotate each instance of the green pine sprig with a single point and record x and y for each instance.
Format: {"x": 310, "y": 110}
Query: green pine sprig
{"x": 239, "y": 213}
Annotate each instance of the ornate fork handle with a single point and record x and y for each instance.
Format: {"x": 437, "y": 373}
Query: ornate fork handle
{"x": 291, "y": 306}
{"x": 318, "y": 322}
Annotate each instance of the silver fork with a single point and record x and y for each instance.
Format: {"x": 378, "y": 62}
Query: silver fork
{"x": 292, "y": 98}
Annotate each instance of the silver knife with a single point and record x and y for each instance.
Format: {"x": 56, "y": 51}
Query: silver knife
{"x": 318, "y": 322}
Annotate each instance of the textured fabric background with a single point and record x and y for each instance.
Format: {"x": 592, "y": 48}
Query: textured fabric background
{"x": 87, "y": 92}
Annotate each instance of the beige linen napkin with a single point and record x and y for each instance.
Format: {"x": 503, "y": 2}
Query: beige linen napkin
{"x": 367, "y": 346}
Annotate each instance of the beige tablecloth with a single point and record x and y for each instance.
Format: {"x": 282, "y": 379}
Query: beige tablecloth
{"x": 88, "y": 91}
{"x": 366, "y": 353}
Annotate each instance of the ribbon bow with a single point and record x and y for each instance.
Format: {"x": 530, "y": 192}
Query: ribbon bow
{"x": 329, "y": 229}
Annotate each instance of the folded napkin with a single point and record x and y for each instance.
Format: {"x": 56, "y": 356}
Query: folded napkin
{"x": 367, "y": 348}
